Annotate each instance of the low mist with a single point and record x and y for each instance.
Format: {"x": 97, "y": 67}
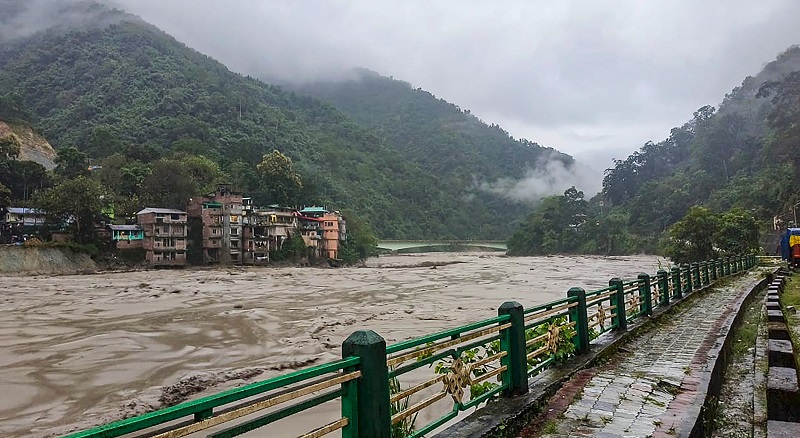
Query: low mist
{"x": 549, "y": 177}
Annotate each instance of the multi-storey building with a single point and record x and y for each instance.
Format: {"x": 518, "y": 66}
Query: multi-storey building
{"x": 265, "y": 230}
{"x": 323, "y": 230}
{"x": 127, "y": 236}
{"x": 165, "y": 233}
{"x": 221, "y": 218}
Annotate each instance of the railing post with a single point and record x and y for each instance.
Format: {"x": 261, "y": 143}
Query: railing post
{"x": 740, "y": 261}
{"x": 687, "y": 276}
{"x": 512, "y": 341}
{"x": 578, "y": 315}
{"x": 373, "y": 412}
{"x": 696, "y": 276}
{"x": 677, "y": 290}
{"x": 726, "y": 266}
{"x": 705, "y": 273}
{"x": 618, "y": 300}
{"x": 713, "y": 270}
{"x": 663, "y": 286}
{"x": 645, "y": 298}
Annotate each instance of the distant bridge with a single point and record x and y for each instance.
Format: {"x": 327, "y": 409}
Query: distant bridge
{"x": 402, "y": 245}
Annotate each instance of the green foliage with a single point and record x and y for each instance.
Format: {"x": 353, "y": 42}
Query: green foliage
{"x": 76, "y": 203}
{"x": 278, "y": 179}
{"x": 71, "y": 163}
{"x": 702, "y": 235}
{"x": 738, "y": 233}
{"x": 692, "y": 238}
{"x": 9, "y": 148}
{"x": 565, "y": 348}
{"x": 124, "y": 88}
{"x": 5, "y": 196}
{"x": 741, "y": 156}
{"x": 568, "y": 224}
{"x": 361, "y": 243}
{"x": 293, "y": 249}
{"x": 405, "y": 427}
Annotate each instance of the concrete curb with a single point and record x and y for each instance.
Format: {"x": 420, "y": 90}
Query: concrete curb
{"x": 696, "y": 424}
{"x": 508, "y": 416}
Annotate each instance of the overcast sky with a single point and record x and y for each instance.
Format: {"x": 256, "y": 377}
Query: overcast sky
{"x": 597, "y": 76}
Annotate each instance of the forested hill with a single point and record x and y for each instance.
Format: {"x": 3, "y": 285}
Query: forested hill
{"x": 743, "y": 155}
{"x": 436, "y": 134}
{"x": 126, "y": 90}
{"x": 705, "y": 191}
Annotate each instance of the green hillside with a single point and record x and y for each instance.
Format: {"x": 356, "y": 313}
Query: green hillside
{"x": 740, "y": 162}
{"x": 435, "y": 134}
{"x": 725, "y": 158}
{"x": 126, "y": 89}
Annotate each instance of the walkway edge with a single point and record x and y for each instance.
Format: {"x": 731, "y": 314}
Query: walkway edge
{"x": 508, "y": 416}
{"x": 712, "y": 371}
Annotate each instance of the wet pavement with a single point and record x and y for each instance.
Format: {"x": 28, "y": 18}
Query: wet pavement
{"x": 656, "y": 383}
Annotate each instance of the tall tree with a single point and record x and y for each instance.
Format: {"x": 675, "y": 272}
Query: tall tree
{"x": 279, "y": 179}
{"x": 692, "y": 238}
{"x": 71, "y": 163}
{"x": 77, "y": 202}
{"x": 783, "y": 118}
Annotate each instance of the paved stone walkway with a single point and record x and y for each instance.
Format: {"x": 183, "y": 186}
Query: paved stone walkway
{"x": 646, "y": 390}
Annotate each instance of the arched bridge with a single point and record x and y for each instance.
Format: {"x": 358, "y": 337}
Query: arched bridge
{"x": 404, "y": 245}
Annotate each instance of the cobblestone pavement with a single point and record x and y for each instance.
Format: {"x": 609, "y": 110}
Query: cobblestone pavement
{"x": 647, "y": 388}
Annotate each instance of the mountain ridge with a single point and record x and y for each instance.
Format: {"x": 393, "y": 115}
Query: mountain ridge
{"x": 128, "y": 88}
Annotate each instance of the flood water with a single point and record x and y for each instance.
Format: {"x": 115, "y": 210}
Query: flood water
{"x": 82, "y": 350}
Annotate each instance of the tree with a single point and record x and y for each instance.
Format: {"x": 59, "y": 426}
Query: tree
{"x": 27, "y": 176}
{"x": 692, "y": 238}
{"x": 783, "y": 119}
{"x": 278, "y": 178}
{"x": 5, "y": 196}
{"x": 738, "y": 233}
{"x": 9, "y": 148}
{"x": 169, "y": 185}
{"x": 71, "y": 163}
{"x": 361, "y": 243}
{"x": 76, "y": 202}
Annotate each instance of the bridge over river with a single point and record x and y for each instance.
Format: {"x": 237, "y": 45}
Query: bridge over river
{"x": 440, "y": 245}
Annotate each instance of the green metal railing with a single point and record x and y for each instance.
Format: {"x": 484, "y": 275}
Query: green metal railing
{"x": 381, "y": 390}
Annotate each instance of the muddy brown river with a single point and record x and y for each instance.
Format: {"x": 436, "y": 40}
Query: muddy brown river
{"x": 82, "y": 350}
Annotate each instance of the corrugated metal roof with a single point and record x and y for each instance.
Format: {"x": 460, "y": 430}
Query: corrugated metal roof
{"x": 24, "y": 210}
{"x": 314, "y": 210}
{"x": 160, "y": 210}
{"x": 125, "y": 227}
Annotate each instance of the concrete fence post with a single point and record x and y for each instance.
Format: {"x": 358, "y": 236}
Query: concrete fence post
{"x": 373, "y": 412}
{"x": 579, "y": 316}
{"x": 620, "y": 321}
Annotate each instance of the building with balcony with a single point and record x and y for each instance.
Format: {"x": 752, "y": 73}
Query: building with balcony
{"x": 165, "y": 232}
{"x": 266, "y": 229}
{"x": 330, "y": 230}
{"x": 221, "y": 217}
{"x": 127, "y": 236}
